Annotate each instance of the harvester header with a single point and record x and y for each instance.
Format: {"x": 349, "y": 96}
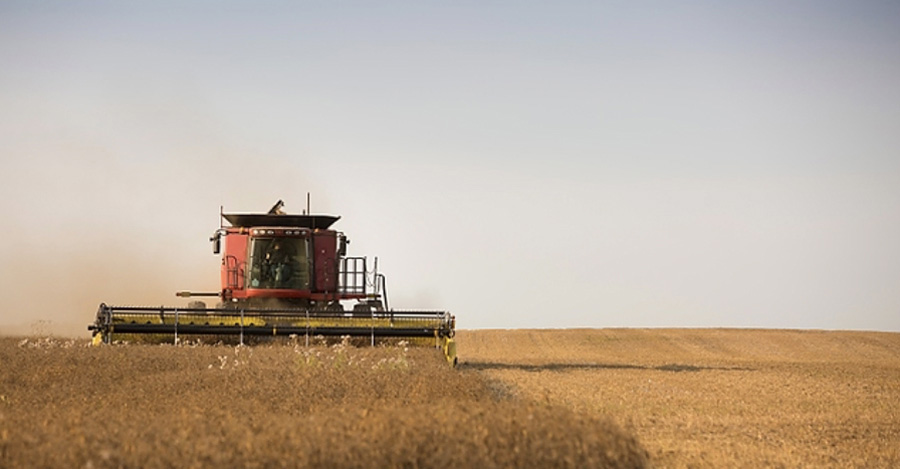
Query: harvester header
{"x": 284, "y": 274}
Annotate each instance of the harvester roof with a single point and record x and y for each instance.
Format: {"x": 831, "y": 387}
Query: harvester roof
{"x": 273, "y": 219}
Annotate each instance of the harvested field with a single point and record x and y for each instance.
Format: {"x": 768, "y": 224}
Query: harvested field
{"x": 715, "y": 398}
{"x": 65, "y": 404}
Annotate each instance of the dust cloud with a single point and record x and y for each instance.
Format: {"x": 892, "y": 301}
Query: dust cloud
{"x": 56, "y": 288}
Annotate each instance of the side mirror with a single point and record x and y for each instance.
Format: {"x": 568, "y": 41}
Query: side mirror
{"x": 342, "y": 249}
{"x": 216, "y": 242}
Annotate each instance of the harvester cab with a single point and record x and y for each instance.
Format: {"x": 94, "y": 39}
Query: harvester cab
{"x": 284, "y": 275}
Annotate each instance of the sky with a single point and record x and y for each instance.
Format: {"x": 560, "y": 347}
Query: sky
{"x": 520, "y": 164}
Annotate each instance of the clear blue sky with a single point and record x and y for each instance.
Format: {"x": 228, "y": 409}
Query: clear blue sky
{"x": 522, "y": 164}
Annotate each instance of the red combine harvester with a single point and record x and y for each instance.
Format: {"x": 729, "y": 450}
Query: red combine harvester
{"x": 285, "y": 275}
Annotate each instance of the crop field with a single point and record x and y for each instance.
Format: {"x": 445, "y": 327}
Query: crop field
{"x": 66, "y": 404}
{"x": 520, "y": 398}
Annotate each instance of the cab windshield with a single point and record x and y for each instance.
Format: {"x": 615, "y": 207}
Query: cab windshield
{"x": 279, "y": 263}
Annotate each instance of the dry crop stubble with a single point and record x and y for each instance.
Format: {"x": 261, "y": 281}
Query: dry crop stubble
{"x": 64, "y": 404}
{"x": 716, "y": 398}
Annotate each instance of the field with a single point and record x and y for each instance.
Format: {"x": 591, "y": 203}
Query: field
{"x": 520, "y": 398}
{"x": 65, "y": 404}
{"x": 716, "y": 398}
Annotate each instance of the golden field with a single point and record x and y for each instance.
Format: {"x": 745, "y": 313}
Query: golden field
{"x": 715, "y": 398}
{"x": 66, "y": 404}
{"x": 520, "y": 398}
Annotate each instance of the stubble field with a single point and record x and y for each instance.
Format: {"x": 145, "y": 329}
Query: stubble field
{"x": 520, "y": 398}
{"x": 716, "y": 398}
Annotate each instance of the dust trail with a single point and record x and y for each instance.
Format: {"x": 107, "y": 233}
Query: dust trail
{"x": 57, "y": 291}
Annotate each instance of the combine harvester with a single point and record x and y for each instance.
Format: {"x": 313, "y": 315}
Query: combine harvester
{"x": 285, "y": 275}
